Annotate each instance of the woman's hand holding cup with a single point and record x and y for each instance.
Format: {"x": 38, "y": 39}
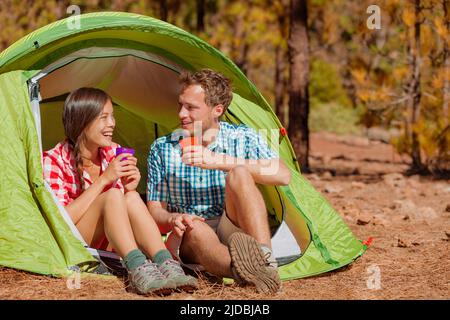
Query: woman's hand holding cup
{"x": 132, "y": 176}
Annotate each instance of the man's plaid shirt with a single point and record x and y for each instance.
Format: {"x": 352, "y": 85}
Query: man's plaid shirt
{"x": 189, "y": 189}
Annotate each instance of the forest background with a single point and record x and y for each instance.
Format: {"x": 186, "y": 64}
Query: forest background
{"x": 378, "y": 69}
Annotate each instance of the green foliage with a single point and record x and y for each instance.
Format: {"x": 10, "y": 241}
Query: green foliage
{"x": 333, "y": 117}
{"x": 325, "y": 85}
{"x": 318, "y": 2}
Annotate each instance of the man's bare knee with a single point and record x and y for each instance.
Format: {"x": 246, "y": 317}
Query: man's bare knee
{"x": 197, "y": 233}
{"x": 239, "y": 176}
{"x": 196, "y": 241}
{"x": 192, "y": 239}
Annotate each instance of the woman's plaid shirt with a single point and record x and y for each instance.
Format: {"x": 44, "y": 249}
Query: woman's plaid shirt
{"x": 61, "y": 173}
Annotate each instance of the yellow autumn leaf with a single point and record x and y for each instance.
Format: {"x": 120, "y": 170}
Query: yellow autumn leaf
{"x": 400, "y": 72}
{"x": 437, "y": 81}
{"x": 408, "y": 17}
{"x": 364, "y": 95}
{"x": 428, "y": 42}
{"x": 440, "y": 27}
{"x": 359, "y": 75}
{"x": 382, "y": 94}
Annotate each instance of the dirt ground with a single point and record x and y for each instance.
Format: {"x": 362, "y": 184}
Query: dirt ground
{"x": 408, "y": 218}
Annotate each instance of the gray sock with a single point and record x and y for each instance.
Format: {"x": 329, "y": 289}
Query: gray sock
{"x": 135, "y": 258}
{"x": 161, "y": 256}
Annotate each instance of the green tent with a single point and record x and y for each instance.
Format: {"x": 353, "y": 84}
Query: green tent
{"x": 137, "y": 60}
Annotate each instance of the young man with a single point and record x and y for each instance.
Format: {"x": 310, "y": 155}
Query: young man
{"x": 206, "y": 194}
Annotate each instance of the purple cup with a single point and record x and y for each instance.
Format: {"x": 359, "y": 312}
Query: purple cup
{"x": 124, "y": 150}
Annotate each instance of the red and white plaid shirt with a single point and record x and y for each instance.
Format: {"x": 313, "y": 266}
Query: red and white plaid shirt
{"x": 61, "y": 173}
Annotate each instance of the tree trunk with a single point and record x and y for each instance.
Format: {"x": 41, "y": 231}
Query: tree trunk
{"x": 280, "y": 108}
{"x": 200, "y": 15}
{"x": 163, "y": 11}
{"x": 280, "y": 65}
{"x": 242, "y": 62}
{"x": 446, "y": 88}
{"x": 299, "y": 78}
{"x": 241, "y": 47}
{"x": 415, "y": 93}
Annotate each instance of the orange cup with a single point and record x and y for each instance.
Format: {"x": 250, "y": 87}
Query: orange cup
{"x": 189, "y": 141}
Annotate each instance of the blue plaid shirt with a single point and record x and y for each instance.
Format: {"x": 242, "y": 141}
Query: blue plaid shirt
{"x": 189, "y": 189}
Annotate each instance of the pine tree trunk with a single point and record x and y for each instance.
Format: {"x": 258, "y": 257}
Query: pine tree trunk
{"x": 200, "y": 15}
{"x": 299, "y": 79}
{"x": 241, "y": 48}
{"x": 280, "y": 108}
{"x": 280, "y": 65}
{"x": 415, "y": 92}
{"x": 163, "y": 11}
{"x": 446, "y": 88}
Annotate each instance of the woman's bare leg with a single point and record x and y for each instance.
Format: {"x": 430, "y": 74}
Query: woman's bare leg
{"x": 145, "y": 230}
{"x": 148, "y": 237}
{"x": 108, "y": 216}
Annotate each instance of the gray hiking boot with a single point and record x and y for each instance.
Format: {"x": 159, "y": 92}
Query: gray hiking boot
{"x": 147, "y": 279}
{"x": 250, "y": 264}
{"x": 172, "y": 270}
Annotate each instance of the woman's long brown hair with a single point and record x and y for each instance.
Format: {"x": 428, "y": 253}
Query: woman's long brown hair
{"x": 81, "y": 108}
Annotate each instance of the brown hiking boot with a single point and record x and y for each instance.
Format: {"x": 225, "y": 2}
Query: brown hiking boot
{"x": 249, "y": 262}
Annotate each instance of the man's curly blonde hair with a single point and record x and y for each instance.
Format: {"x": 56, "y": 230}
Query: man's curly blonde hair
{"x": 217, "y": 87}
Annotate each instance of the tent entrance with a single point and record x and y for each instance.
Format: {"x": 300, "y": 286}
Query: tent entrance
{"x": 144, "y": 89}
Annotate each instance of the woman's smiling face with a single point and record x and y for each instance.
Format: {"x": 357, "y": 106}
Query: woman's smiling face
{"x": 100, "y": 131}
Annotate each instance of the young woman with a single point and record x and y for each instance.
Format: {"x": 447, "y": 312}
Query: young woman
{"x": 98, "y": 190}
